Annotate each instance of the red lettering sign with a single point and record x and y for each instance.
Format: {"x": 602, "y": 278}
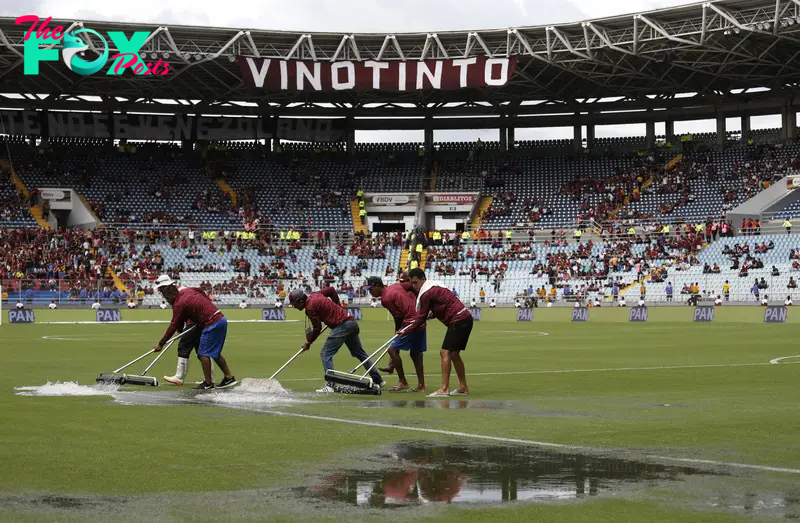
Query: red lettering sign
{"x": 453, "y": 198}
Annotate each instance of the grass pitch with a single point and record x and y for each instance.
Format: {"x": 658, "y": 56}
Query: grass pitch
{"x": 679, "y": 421}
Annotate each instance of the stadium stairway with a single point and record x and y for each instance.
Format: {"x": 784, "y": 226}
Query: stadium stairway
{"x": 635, "y": 285}
{"x": 433, "y": 176}
{"x": 35, "y": 210}
{"x": 227, "y": 189}
{"x": 404, "y": 259}
{"x": 669, "y": 165}
{"x": 483, "y": 205}
{"x": 358, "y": 227}
{"x": 118, "y": 283}
{"x": 675, "y": 161}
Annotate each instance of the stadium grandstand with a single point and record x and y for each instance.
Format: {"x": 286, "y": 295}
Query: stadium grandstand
{"x": 236, "y": 167}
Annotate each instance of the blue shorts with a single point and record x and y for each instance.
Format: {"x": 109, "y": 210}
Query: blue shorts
{"x": 415, "y": 341}
{"x": 213, "y": 339}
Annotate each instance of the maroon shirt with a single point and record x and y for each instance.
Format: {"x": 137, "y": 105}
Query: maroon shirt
{"x": 401, "y": 304}
{"x": 446, "y": 307}
{"x": 320, "y": 309}
{"x": 191, "y": 305}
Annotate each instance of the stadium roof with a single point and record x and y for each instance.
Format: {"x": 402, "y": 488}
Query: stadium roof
{"x": 709, "y": 48}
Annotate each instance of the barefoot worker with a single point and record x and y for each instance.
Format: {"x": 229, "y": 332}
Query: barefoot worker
{"x": 433, "y": 297}
{"x": 401, "y": 305}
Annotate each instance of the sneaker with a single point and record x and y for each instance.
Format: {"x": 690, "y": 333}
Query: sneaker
{"x": 326, "y": 388}
{"x": 174, "y": 380}
{"x": 227, "y": 382}
{"x": 204, "y": 386}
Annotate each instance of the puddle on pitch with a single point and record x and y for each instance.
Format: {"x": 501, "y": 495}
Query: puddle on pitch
{"x": 421, "y": 474}
{"x": 435, "y": 404}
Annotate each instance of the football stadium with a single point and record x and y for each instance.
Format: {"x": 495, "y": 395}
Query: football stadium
{"x": 254, "y": 274}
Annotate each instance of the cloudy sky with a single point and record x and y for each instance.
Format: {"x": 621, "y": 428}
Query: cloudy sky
{"x": 370, "y": 16}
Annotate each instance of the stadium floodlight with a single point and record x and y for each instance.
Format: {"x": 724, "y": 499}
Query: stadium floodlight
{"x": 165, "y": 56}
{"x": 198, "y": 57}
{"x": 186, "y": 56}
{"x": 231, "y": 58}
{"x": 737, "y": 30}
{"x": 143, "y": 56}
{"x": 153, "y": 56}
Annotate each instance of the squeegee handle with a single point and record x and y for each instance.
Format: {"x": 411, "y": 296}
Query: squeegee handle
{"x": 382, "y": 347}
{"x": 298, "y": 353}
{"x": 167, "y": 346}
{"x": 146, "y": 354}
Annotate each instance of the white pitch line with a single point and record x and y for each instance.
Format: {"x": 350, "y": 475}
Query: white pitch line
{"x": 777, "y": 360}
{"x": 521, "y": 333}
{"x": 616, "y": 369}
{"x": 517, "y": 441}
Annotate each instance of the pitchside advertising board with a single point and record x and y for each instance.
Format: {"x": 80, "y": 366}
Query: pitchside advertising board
{"x": 476, "y": 313}
{"x": 21, "y": 316}
{"x": 703, "y": 314}
{"x": 524, "y": 314}
{"x": 108, "y": 315}
{"x": 638, "y": 314}
{"x": 580, "y": 314}
{"x": 775, "y": 314}
{"x": 273, "y": 314}
{"x": 355, "y": 312}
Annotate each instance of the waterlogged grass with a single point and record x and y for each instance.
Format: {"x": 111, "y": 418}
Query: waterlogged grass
{"x": 724, "y": 403}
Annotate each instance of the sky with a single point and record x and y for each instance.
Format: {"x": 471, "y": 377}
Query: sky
{"x": 372, "y": 16}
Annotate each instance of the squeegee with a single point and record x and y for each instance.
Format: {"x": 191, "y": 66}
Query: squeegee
{"x": 361, "y": 382}
{"x": 117, "y": 378}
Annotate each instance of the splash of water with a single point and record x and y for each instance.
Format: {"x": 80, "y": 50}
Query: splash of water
{"x": 261, "y": 386}
{"x": 252, "y": 391}
{"x": 67, "y": 388}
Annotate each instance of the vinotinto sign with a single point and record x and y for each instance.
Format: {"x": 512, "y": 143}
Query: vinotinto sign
{"x": 41, "y": 43}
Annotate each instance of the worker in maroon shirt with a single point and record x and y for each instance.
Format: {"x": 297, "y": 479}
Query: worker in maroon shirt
{"x": 323, "y": 307}
{"x": 401, "y": 304}
{"x": 436, "y": 299}
{"x": 401, "y": 278}
{"x": 192, "y": 304}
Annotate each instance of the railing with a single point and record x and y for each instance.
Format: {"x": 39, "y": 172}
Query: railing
{"x": 260, "y": 291}
{"x": 183, "y": 229}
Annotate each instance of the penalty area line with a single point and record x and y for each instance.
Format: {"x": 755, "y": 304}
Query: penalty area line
{"x": 527, "y": 442}
{"x": 616, "y": 369}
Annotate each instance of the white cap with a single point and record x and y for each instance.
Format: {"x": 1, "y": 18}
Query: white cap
{"x": 164, "y": 281}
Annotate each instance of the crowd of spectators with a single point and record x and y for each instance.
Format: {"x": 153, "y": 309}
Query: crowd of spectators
{"x": 14, "y": 205}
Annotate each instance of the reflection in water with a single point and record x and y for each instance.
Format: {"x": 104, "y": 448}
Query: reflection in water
{"x": 422, "y": 473}
{"x": 435, "y": 404}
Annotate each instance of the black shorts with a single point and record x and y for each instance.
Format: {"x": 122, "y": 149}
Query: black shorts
{"x": 457, "y": 335}
{"x": 189, "y": 342}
